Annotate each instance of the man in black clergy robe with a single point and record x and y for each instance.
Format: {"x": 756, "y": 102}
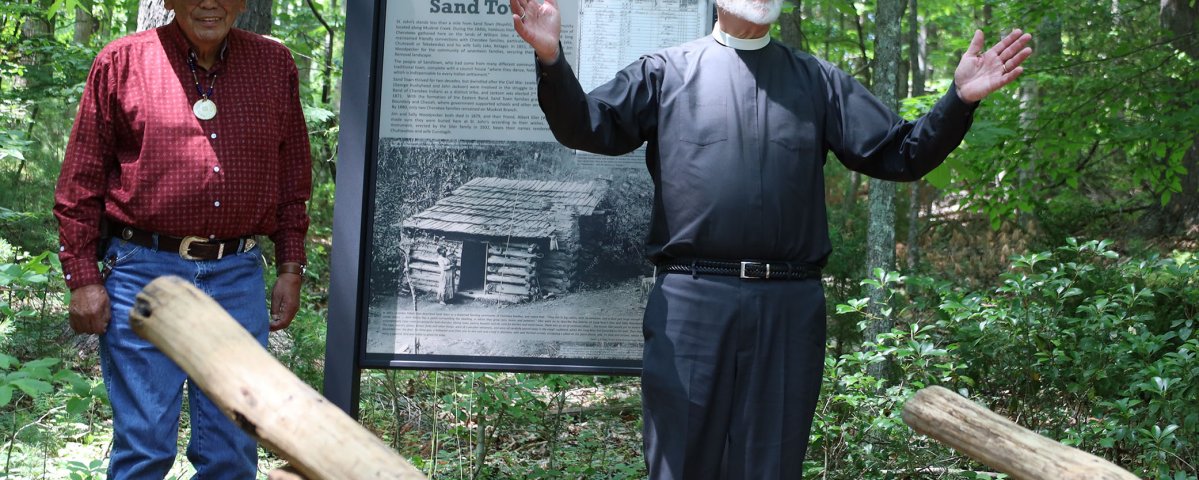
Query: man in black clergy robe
{"x": 737, "y": 128}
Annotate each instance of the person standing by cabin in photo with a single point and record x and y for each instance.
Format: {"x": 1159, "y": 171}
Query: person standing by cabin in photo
{"x": 445, "y": 278}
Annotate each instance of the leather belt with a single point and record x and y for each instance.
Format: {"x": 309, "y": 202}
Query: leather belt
{"x": 189, "y": 248}
{"x": 749, "y": 269}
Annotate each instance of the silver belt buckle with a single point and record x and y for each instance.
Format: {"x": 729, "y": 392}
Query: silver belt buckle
{"x": 745, "y": 274}
{"x": 186, "y": 243}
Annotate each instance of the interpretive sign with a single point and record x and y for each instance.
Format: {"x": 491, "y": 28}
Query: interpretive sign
{"x": 479, "y": 242}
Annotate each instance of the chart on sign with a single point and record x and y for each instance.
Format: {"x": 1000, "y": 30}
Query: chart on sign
{"x": 617, "y": 32}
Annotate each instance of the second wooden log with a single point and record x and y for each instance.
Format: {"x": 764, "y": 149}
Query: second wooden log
{"x": 1000, "y": 443}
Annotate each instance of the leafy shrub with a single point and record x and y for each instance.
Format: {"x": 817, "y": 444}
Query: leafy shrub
{"x": 1075, "y": 344}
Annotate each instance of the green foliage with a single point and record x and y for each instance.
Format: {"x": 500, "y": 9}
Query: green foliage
{"x": 1098, "y": 112}
{"x": 1109, "y": 344}
{"x": 1098, "y": 353}
{"x": 44, "y": 402}
{"x": 502, "y": 425}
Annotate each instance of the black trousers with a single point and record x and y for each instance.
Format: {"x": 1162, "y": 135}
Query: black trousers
{"x": 730, "y": 376}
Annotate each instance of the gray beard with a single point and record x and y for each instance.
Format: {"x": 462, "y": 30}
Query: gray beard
{"x": 761, "y": 12}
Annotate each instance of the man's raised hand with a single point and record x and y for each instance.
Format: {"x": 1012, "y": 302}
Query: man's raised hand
{"x": 981, "y": 73}
{"x": 540, "y": 25}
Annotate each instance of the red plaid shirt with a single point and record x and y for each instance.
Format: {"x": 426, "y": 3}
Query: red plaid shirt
{"x": 138, "y": 155}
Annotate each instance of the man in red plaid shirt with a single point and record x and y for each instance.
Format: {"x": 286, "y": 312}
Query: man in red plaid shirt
{"x": 189, "y": 144}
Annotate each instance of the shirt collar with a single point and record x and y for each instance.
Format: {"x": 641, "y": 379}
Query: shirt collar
{"x": 739, "y": 43}
{"x": 184, "y": 49}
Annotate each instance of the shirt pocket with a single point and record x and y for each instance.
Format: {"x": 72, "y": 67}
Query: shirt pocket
{"x": 795, "y": 133}
{"x": 708, "y": 123}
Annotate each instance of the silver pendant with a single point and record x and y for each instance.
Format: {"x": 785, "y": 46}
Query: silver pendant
{"x": 204, "y": 109}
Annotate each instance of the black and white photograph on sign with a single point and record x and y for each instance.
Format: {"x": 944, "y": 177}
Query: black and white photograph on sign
{"x": 490, "y": 239}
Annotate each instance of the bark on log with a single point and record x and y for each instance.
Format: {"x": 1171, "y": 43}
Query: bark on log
{"x": 256, "y": 391}
{"x": 1000, "y": 443}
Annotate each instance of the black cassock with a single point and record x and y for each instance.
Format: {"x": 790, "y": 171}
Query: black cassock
{"x": 736, "y": 144}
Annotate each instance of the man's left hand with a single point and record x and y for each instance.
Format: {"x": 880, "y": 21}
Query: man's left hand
{"x": 285, "y": 300}
{"x": 980, "y": 73}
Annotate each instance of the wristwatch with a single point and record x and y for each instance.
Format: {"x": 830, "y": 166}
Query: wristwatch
{"x": 296, "y": 268}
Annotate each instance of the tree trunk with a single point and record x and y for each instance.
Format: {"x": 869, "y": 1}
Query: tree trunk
{"x": 1181, "y": 18}
{"x": 791, "y": 28}
{"x": 851, "y": 192}
{"x": 1049, "y": 48}
{"x": 85, "y": 25}
{"x": 257, "y": 17}
{"x": 917, "y": 50}
{"x": 914, "y": 207}
{"x": 152, "y": 14}
{"x": 880, "y": 235}
{"x": 37, "y": 69}
{"x": 917, "y": 59}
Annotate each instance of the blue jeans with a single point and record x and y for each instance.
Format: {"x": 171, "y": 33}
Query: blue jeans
{"x": 146, "y": 388}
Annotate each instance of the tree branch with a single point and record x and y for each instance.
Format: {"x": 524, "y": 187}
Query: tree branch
{"x": 1115, "y": 57}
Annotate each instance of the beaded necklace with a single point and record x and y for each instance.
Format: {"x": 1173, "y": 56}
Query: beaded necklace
{"x": 204, "y": 108}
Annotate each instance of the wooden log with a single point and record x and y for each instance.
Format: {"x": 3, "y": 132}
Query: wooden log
{"x": 521, "y": 252}
{"x": 511, "y": 271}
{"x": 1000, "y": 443}
{"x": 286, "y": 472}
{"x": 505, "y": 288}
{"x": 256, "y": 391}
{"x": 496, "y": 297}
{"x": 511, "y": 262}
{"x": 426, "y": 267}
{"x": 495, "y": 278}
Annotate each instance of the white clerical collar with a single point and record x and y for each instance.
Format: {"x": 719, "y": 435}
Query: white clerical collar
{"x": 739, "y": 43}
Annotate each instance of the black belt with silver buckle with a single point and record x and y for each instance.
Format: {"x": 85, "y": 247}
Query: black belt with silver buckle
{"x": 189, "y": 248}
{"x": 743, "y": 269}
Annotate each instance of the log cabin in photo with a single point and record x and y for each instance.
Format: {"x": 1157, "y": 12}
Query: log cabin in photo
{"x": 510, "y": 240}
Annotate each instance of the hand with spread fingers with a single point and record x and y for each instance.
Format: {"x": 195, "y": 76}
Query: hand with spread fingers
{"x": 981, "y": 73}
{"x": 540, "y": 25}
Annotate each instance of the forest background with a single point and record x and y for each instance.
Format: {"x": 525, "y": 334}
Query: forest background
{"x": 1047, "y": 271}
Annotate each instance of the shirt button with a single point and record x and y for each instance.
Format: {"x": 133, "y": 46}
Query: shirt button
{"x": 68, "y": 276}
{"x": 62, "y": 248}
{"x": 213, "y": 135}
{"x": 210, "y": 237}
{"x": 216, "y": 203}
{"x": 216, "y": 168}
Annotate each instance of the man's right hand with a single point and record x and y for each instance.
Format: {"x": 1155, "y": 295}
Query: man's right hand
{"x": 89, "y": 310}
{"x": 540, "y": 25}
